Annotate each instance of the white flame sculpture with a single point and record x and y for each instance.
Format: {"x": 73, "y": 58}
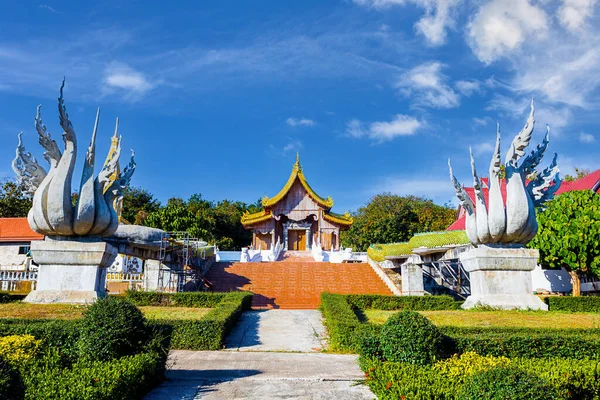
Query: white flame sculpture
{"x": 52, "y": 212}
{"x": 514, "y": 224}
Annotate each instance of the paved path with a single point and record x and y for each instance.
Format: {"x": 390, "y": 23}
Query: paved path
{"x": 278, "y": 330}
{"x": 271, "y": 354}
{"x": 213, "y": 375}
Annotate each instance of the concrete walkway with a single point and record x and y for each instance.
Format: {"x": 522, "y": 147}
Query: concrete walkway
{"x": 272, "y": 354}
{"x": 213, "y": 375}
{"x": 278, "y": 330}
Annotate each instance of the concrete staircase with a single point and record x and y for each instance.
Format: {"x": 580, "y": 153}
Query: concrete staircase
{"x": 293, "y": 283}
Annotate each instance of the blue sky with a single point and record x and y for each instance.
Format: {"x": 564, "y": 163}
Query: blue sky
{"x": 216, "y": 97}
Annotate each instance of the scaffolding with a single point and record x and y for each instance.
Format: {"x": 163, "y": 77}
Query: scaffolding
{"x": 181, "y": 262}
{"x": 449, "y": 276}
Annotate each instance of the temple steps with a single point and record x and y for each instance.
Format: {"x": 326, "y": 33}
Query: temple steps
{"x": 295, "y": 284}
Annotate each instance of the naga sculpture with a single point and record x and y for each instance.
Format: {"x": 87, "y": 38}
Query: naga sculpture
{"x": 526, "y": 189}
{"x": 52, "y": 213}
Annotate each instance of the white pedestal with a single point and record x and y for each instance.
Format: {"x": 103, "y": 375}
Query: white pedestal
{"x": 70, "y": 271}
{"x": 501, "y": 278}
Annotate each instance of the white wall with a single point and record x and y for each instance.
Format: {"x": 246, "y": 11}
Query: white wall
{"x": 551, "y": 280}
{"x": 10, "y": 259}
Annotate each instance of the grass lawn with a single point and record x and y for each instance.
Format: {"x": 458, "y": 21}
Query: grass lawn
{"x": 66, "y": 311}
{"x": 516, "y": 319}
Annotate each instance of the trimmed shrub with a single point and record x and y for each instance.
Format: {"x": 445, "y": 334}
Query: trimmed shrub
{"x": 111, "y": 328}
{"x": 184, "y": 299}
{"x": 209, "y": 332}
{"x": 59, "y": 334}
{"x": 368, "y": 341}
{"x": 126, "y": 378}
{"x": 438, "y": 239}
{"x": 533, "y": 343}
{"x": 378, "y": 252}
{"x": 501, "y": 383}
{"x": 341, "y": 322}
{"x": 9, "y": 297}
{"x": 11, "y": 386}
{"x": 416, "y": 303}
{"x": 16, "y": 349}
{"x": 398, "y": 380}
{"x": 459, "y": 368}
{"x": 574, "y": 304}
{"x": 410, "y": 337}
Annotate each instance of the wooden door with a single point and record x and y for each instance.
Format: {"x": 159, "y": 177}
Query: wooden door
{"x": 326, "y": 240}
{"x": 293, "y": 240}
{"x": 297, "y": 240}
{"x": 301, "y": 240}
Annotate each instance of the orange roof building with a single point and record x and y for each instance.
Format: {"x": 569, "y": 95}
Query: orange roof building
{"x": 297, "y": 217}
{"x": 17, "y": 230}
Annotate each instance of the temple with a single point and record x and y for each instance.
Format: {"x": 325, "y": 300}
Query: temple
{"x": 297, "y": 217}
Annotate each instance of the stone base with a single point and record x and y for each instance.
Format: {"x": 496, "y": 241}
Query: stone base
{"x": 64, "y": 296}
{"x": 501, "y": 278}
{"x": 70, "y": 271}
{"x": 412, "y": 280}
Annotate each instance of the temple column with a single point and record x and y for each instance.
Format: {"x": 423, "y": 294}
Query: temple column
{"x": 273, "y": 238}
{"x": 285, "y": 237}
{"x": 308, "y": 235}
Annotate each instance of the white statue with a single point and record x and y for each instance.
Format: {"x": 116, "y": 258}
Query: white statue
{"x": 516, "y": 223}
{"x": 52, "y": 212}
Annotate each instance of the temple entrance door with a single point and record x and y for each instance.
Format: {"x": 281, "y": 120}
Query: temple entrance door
{"x": 297, "y": 240}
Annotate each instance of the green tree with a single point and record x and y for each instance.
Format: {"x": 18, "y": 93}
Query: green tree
{"x": 569, "y": 235}
{"x": 138, "y": 203}
{"x": 389, "y": 218}
{"x": 228, "y": 228}
{"x": 14, "y": 202}
{"x": 579, "y": 173}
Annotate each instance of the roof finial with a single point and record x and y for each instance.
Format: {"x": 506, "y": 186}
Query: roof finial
{"x": 297, "y": 165}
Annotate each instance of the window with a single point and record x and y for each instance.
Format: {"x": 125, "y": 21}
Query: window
{"x": 23, "y": 249}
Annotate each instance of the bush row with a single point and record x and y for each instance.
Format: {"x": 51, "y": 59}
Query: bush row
{"x": 8, "y": 297}
{"x": 209, "y": 332}
{"x": 417, "y": 303}
{"x": 573, "y": 304}
{"x": 183, "y": 299}
{"x": 451, "y": 379}
{"x": 348, "y": 334}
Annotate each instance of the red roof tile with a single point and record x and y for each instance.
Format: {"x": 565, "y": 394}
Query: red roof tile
{"x": 586, "y": 183}
{"x": 17, "y": 230}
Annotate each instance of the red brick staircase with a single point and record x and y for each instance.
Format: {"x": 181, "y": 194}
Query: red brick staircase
{"x": 295, "y": 283}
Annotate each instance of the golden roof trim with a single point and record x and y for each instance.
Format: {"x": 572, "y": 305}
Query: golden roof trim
{"x": 297, "y": 173}
{"x": 254, "y": 218}
{"x": 345, "y": 219}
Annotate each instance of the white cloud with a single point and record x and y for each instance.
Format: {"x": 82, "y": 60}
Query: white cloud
{"x": 467, "y": 88}
{"x": 481, "y": 121}
{"x": 300, "y": 122}
{"x": 425, "y": 85}
{"x": 586, "y": 138}
{"x": 401, "y": 125}
{"x": 292, "y": 145}
{"x": 545, "y": 114}
{"x": 439, "y": 16}
{"x": 574, "y": 13}
{"x": 502, "y": 26}
{"x": 47, "y": 7}
{"x": 483, "y": 148}
{"x": 122, "y": 78}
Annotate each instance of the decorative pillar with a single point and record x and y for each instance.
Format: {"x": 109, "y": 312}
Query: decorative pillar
{"x": 285, "y": 237}
{"x": 308, "y": 234}
{"x": 273, "y": 238}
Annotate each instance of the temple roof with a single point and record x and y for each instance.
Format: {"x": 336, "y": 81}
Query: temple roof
{"x": 341, "y": 219}
{"x": 297, "y": 174}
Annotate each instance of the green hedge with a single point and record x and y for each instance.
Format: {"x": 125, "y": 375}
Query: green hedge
{"x": 9, "y": 297}
{"x": 126, "y": 378}
{"x": 534, "y": 342}
{"x": 209, "y": 332}
{"x": 575, "y": 379}
{"x": 438, "y": 239}
{"x": 184, "y": 299}
{"x": 378, "y": 252}
{"x": 415, "y": 303}
{"x": 341, "y": 322}
{"x": 573, "y": 304}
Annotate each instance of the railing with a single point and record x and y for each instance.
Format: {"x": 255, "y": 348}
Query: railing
{"x": 117, "y": 282}
{"x": 18, "y": 280}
